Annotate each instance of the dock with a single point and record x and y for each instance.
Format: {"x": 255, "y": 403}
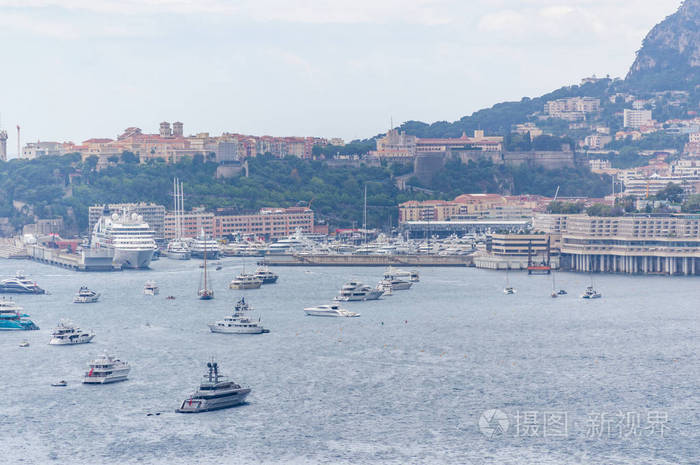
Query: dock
{"x": 87, "y": 260}
{"x": 366, "y": 260}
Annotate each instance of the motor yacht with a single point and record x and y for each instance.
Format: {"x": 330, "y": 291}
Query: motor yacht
{"x": 238, "y": 322}
{"x": 267, "y": 276}
{"x": 67, "y": 333}
{"x": 392, "y": 273}
{"x": 178, "y": 250}
{"x": 332, "y": 310}
{"x": 106, "y": 369}
{"x": 12, "y": 318}
{"x": 591, "y": 293}
{"x": 86, "y": 296}
{"x": 20, "y": 285}
{"x": 150, "y": 288}
{"x": 215, "y": 392}
{"x": 355, "y": 291}
{"x": 396, "y": 284}
{"x": 245, "y": 281}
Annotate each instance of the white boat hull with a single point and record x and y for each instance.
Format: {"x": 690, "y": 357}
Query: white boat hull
{"x": 226, "y": 330}
{"x": 245, "y": 286}
{"x": 115, "y": 377}
{"x": 133, "y": 259}
{"x": 82, "y": 339}
{"x": 86, "y": 300}
{"x": 150, "y": 291}
{"x": 178, "y": 255}
{"x": 329, "y": 314}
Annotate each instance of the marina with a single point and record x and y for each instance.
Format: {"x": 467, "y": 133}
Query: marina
{"x": 465, "y": 346}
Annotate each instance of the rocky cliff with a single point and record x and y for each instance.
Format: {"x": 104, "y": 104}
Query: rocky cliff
{"x": 670, "y": 54}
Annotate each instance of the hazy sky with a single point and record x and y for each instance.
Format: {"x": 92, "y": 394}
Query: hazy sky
{"x": 74, "y": 69}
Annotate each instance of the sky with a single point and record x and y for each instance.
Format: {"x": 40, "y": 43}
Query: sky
{"x": 75, "y": 69}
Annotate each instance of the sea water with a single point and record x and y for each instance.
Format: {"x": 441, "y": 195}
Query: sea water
{"x": 451, "y": 371}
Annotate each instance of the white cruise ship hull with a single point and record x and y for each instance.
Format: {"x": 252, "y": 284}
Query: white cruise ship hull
{"x": 82, "y": 339}
{"x": 133, "y": 259}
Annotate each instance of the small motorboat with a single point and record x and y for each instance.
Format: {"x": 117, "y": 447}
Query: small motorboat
{"x": 219, "y": 267}
{"x": 170, "y": 297}
{"x": 24, "y": 343}
{"x": 509, "y": 291}
{"x": 61, "y": 383}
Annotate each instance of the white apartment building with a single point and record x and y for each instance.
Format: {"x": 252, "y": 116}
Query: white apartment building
{"x": 637, "y": 118}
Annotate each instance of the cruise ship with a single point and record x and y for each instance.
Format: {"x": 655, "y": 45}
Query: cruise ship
{"x": 20, "y": 285}
{"x": 106, "y": 369}
{"x": 129, "y": 236}
{"x": 214, "y": 393}
{"x": 12, "y": 318}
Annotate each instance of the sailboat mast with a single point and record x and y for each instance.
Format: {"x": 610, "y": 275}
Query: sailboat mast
{"x": 205, "y": 260}
{"x": 364, "y": 216}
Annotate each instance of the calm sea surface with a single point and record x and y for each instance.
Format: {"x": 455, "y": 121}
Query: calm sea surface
{"x": 613, "y": 381}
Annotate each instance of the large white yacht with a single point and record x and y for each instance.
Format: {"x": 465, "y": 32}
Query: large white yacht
{"x": 20, "y": 285}
{"x": 106, "y": 369}
{"x": 294, "y": 243}
{"x": 68, "y": 334}
{"x": 214, "y": 393}
{"x": 395, "y": 284}
{"x": 178, "y": 250}
{"x": 332, "y": 310}
{"x": 86, "y": 296}
{"x": 129, "y": 236}
{"x": 12, "y": 317}
{"x": 355, "y": 291}
{"x": 246, "y": 281}
{"x": 393, "y": 273}
{"x": 238, "y": 322}
{"x": 202, "y": 243}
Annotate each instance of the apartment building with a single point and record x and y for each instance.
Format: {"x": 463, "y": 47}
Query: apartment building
{"x": 398, "y": 146}
{"x": 637, "y": 118}
{"x": 269, "y": 223}
{"x": 572, "y": 109}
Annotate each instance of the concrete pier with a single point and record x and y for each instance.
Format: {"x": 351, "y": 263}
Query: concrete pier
{"x": 367, "y": 260}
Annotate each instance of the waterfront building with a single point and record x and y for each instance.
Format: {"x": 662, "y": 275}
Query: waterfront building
{"x": 647, "y": 244}
{"x": 268, "y": 223}
{"x": 471, "y": 206}
{"x": 152, "y": 214}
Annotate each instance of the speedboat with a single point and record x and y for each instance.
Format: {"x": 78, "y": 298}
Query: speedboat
{"x": 267, "y": 276}
{"x": 509, "y": 291}
{"x": 86, "y": 296}
{"x": 355, "y": 291}
{"x": 20, "y": 285}
{"x": 591, "y": 293}
{"x": 215, "y": 392}
{"x": 61, "y": 383}
{"x": 332, "y": 310}
{"x": 246, "y": 281}
{"x": 12, "y": 318}
{"x": 150, "y": 288}
{"x": 238, "y": 322}
{"x": 106, "y": 369}
{"x": 24, "y": 343}
{"x": 67, "y": 333}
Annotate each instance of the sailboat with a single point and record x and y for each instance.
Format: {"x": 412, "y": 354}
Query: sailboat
{"x": 591, "y": 293}
{"x": 556, "y": 293}
{"x": 508, "y": 290}
{"x": 205, "y": 293}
